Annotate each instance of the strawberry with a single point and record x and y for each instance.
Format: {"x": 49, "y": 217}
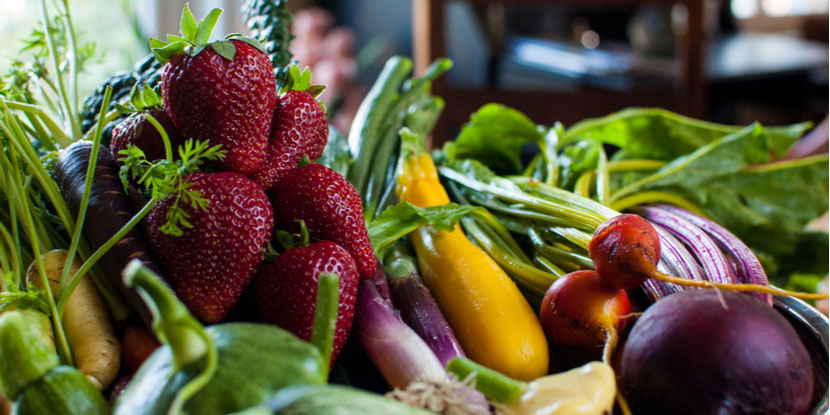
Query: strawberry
{"x": 228, "y": 222}
{"x": 299, "y": 129}
{"x": 224, "y": 91}
{"x": 137, "y": 129}
{"x": 330, "y": 207}
{"x": 286, "y": 289}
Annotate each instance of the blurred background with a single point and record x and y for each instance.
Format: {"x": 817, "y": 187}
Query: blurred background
{"x": 730, "y": 61}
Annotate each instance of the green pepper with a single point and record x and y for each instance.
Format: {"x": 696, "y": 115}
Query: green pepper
{"x": 223, "y": 368}
{"x": 33, "y": 379}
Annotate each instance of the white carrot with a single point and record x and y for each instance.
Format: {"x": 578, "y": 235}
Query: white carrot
{"x": 89, "y": 330}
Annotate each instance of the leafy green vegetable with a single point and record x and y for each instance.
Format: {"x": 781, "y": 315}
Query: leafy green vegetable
{"x": 400, "y": 219}
{"x": 495, "y": 136}
{"x": 660, "y": 134}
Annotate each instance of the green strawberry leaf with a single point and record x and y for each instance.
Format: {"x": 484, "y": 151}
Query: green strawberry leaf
{"x": 157, "y": 43}
{"x": 206, "y": 27}
{"x": 316, "y": 90}
{"x": 174, "y": 38}
{"x": 249, "y": 40}
{"x": 167, "y": 52}
{"x": 124, "y": 109}
{"x": 188, "y": 23}
{"x": 151, "y": 98}
{"x": 224, "y": 48}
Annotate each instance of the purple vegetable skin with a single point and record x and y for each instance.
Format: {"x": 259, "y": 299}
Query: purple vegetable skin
{"x": 748, "y": 269}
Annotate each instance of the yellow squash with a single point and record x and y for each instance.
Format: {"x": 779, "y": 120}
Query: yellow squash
{"x": 491, "y": 319}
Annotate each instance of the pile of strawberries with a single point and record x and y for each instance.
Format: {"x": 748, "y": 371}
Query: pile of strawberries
{"x": 225, "y": 92}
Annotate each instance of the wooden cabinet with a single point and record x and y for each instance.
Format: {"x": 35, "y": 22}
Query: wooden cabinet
{"x": 685, "y": 96}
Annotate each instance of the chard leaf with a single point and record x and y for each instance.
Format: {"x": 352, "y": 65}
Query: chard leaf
{"x": 663, "y": 135}
{"x": 400, "y": 219}
{"x": 495, "y": 136}
{"x": 577, "y": 159}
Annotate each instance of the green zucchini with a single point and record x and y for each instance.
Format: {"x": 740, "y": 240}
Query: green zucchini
{"x": 254, "y": 361}
{"x": 335, "y": 400}
{"x": 24, "y": 358}
{"x": 64, "y": 390}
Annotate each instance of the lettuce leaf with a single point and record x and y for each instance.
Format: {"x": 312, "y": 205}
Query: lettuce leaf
{"x": 495, "y": 136}
{"x": 400, "y": 219}
{"x": 653, "y": 133}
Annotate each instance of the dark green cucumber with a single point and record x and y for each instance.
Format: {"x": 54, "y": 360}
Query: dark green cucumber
{"x": 336, "y": 400}
{"x": 64, "y": 390}
{"x": 247, "y": 374}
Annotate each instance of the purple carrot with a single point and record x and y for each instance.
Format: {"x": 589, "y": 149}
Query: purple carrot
{"x": 748, "y": 269}
{"x": 419, "y": 309}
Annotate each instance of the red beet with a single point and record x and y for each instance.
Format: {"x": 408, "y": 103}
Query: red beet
{"x": 688, "y": 354}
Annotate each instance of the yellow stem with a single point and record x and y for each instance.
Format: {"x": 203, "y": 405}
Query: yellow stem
{"x": 736, "y": 287}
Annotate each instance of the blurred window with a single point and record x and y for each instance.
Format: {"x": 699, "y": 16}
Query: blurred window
{"x": 746, "y": 9}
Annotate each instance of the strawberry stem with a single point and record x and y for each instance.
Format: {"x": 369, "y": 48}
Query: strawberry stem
{"x": 325, "y": 315}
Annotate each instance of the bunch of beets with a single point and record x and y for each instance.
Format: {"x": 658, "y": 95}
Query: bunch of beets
{"x": 226, "y": 92}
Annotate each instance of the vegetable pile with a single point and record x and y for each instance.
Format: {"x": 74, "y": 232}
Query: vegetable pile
{"x": 197, "y": 239}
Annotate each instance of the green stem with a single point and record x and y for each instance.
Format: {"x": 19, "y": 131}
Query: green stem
{"x": 110, "y": 117}
{"x": 494, "y": 385}
{"x": 325, "y": 316}
{"x": 90, "y": 175}
{"x": 785, "y": 164}
{"x": 557, "y": 253}
{"x": 10, "y": 260}
{"x": 168, "y": 148}
{"x": 582, "y": 187}
{"x": 26, "y": 215}
{"x": 634, "y": 164}
{"x": 603, "y": 180}
{"x": 525, "y": 274}
{"x": 580, "y": 218}
{"x": 53, "y": 54}
{"x": 73, "y": 70}
{"x": 641, "y": 198}
{"x": 551, "y": 160}
{"x": 50, "y": 123}
{"x": 103, "y": 249}
{"x": 36, "y": 168}
{"x": 175, "y": 326}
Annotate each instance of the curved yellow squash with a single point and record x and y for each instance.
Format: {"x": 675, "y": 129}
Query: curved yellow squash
{"x": 491, "y": 319}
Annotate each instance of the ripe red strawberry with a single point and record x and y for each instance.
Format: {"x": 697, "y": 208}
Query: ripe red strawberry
{"x": 212, "y": 262}
{"x": 137, "y": 129}
{"x": 299, "y": 128}
{"x": 224, "y": 92}
{"x": 286, "y": 289}
{"x": 331, "y": 209}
